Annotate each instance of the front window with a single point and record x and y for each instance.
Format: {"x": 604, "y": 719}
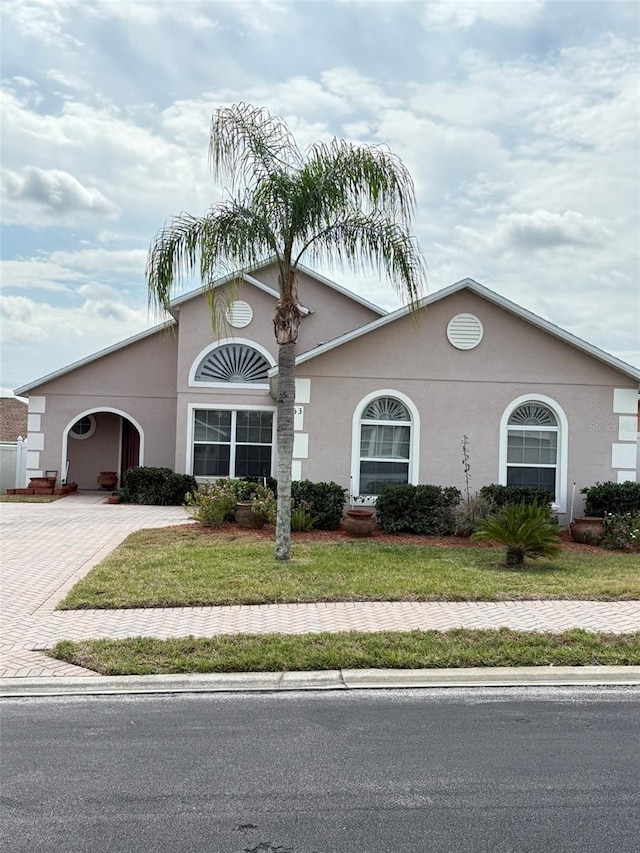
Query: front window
{"x": 532, "y": 447}
{"x": 385, "y": 444}
{"x": 229, "y": 443}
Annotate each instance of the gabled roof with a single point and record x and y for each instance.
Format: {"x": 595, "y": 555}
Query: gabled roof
{"x": 95, "y": 356}
{"x": 175, "y": 304}
{"x": 247, "y": 276}
{"x": 490, "y": 296}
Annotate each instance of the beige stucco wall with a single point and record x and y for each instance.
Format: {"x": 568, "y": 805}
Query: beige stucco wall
{"x": 138, "y": 380}
{"x": 461, "y": 393}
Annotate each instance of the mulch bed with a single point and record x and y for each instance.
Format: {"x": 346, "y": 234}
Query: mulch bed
{"x": 378, "y": 536}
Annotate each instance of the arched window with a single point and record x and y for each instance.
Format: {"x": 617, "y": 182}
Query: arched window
{"x": 384, "y": 444}
{"x": 236, "y": 363}
{"x": 534, "y": 445}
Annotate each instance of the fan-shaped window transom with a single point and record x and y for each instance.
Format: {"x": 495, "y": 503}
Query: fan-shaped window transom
{"x": 386, "y": 409}
{"x": 533, "y": 414}
{"x": 234, "y": 363}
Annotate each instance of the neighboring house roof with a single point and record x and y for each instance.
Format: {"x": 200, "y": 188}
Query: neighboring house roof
{"x": 491, "y": 296}
{"x": 96, "y": 355}
{"x": 13, "y": 419}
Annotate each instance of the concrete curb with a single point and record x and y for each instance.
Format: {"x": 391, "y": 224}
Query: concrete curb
{"x": 345, "y": 679}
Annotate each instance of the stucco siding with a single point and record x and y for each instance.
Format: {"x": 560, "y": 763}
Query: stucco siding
{"x": 462, "y": 393}
{"x": 139, "y": 381}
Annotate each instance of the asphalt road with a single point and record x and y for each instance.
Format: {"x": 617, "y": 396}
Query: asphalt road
{"x": 434, "y": 770}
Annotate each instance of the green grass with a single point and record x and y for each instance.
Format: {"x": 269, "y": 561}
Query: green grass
{"x": 28, "y": 499}
{"x": 410, "y": 650}
{"x": 186, "y": 567}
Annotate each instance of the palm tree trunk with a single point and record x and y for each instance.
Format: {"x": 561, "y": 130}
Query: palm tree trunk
{"x": 285, "y": 410}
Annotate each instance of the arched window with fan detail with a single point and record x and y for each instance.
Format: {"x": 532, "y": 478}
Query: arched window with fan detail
{"x": 235, "y": 362}
{"x": 385, "y": 435}
{"x": 534, "y": 444}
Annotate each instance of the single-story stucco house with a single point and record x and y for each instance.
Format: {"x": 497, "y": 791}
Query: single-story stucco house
{"x": 381, "y": 397}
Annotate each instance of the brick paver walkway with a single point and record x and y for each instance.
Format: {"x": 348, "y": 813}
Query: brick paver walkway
{"x": 46, "y": 548}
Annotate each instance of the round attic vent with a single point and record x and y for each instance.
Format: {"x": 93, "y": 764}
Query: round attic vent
{"x": 464, "y": 331}
{"x": 239, "y": 314}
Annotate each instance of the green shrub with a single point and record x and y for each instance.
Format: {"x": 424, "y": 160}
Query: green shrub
{"x": 302, "y": 520}
{"x": 500, "y": 496}
{"x": 426, "y": 510}
{"x": 270, "y": 482}
{"x": 616, "y": 498}
{"x": 622, "y": 531}
{"x": 156, "y": 486}
{"x": 323, "y": 501}
{"x": 212, "y": 503}
{"x": 524, "y": 529}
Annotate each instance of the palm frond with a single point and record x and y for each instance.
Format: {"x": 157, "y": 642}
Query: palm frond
{"x": 247, "y": 144}
{"x": 369, "y": 178}
{"x": 372, "y": 241}
{"x": 230, "y": 236}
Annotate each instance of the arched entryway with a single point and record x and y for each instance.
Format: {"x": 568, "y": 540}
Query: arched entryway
{"x": 97, "y": 440}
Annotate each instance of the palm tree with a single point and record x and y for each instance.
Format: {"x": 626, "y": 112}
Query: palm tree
{"x": 341, "y": 202}
{"x": 526, "y": 530}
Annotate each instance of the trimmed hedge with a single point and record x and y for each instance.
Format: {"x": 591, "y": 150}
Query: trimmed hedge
{"x": 425, "y": 510}
{"x": 616, "y": 498}
{"x": 500, "y": 496}
{"x": 156, "y": 486}
{"x": 324, "y": 501}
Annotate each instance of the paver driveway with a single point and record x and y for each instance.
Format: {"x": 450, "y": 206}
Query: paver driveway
{"x": 46, "y": 548}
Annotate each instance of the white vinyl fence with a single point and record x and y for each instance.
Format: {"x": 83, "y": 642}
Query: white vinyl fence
{"x": 13, "y": 465}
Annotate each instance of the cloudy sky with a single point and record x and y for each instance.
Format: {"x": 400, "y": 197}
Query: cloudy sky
{"x": 519, "y": 122}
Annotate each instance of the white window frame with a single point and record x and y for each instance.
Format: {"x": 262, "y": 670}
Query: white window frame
{"x": 197, "y": 383}
{"x": 414, "y": 439}
{"x": 211, "y": 407}
{"x": 562, "y": 457}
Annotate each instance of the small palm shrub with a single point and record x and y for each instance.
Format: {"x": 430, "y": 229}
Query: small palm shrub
{"x": 526, "y": 530}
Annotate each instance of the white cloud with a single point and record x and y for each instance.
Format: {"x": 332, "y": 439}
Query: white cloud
{"x": 541, "y": 229}
{"x": 103, "y": 261}
{"x": 439, "y": 14}
{"x": 34, "y": 274}
{"x": 54, "y": 190}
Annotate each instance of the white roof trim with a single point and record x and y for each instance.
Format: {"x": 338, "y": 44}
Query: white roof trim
{"x": 246, "y": 275}
{"x": 96, "y": 355}
{"x": 490, "y": 296}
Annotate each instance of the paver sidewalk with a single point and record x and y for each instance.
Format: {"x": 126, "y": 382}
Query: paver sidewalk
{"x": 46, "y": 548}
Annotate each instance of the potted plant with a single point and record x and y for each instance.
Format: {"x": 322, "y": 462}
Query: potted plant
{"x": 256, "y": 506}
{"x": 114, "y": 498}
{"x": 359, "y": 520}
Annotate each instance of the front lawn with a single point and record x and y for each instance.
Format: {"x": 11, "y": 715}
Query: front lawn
{"x": 188, "y": 566}
{"x": 392, "y": 650}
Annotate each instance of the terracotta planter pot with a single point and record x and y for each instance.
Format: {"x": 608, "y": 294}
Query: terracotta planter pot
{"x": 114, "y": 499}
{"x": 587, "y": 530}
{"x": 359, "y": 522}
{"x": 246, "y": 517}
{"x": 108, "y": 479}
